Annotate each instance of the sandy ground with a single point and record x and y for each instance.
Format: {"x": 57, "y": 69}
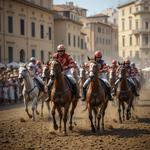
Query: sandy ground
{"x": 17, "y": 132}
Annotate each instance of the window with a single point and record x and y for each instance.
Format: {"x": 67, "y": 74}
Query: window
{"x": 99, "y": 29}
{"x": 123, "y": 41}
{"x": 42, "y": 55}
{"x": 69, "y": 39}
{"x": 137, "y": 40}
{"x": 146, "y": 25}
{"x": 42, "y": 31}
{"x": 122, "y": 12}
{"x": 22, "y": 56}
{"x": 82, "y": 43}
{"x": 146, "y": 8}
{"x": 130, "y": 23}
{"x": 130, "y": 40}
{"x": 137, "y": 24}
{"x": 49, "y": 33}
{"x": 22, "y": 29}
{"x": 33, "y": 52}
{"x": 123, "y": 26}
{"x": 78, "y": 41}
{"x": 0, "y": 54}
{"x": 32, "y": 29}
{"x": 10, "y": 54}
{"x": 10, "y": 24}
{"x": 0, "y": 22}
{"x": 74, "y": 41}
{"x": 146, "y": 39}
{"x": 130, "y": 10}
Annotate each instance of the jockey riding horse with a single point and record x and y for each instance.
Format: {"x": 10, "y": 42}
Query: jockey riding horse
{"x": 67, "y": 63}
{"x": 105, "y": 83}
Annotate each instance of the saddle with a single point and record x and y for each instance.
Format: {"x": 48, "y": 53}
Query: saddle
{"x": 39, "y": 84}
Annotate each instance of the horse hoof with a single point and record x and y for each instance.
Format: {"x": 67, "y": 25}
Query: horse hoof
{"x": 70, "y": 127}
{"x": 30, "y": 116}
{"x": 56, "y": 127}
{"x": 37, "y": 113}
{"x": 93, "y": 130}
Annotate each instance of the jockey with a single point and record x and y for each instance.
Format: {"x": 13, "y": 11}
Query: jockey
{"x": 33, "y": 69}
{"x": 67, "y": 63}
{"x": 129, "y": 77}
{"x": 102, "y": 69}
{"x": 114, "y": 65}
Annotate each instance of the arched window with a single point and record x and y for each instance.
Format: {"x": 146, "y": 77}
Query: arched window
{"x": 22, "y": 56}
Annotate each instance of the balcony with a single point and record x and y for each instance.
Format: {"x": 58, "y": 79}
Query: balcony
{"x": 142, "y": 12}
{"x": 141, "y": 31}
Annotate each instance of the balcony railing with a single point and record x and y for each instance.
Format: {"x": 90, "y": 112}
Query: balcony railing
{"x": 139, "y": 31}
{"x": 142, "y": 12}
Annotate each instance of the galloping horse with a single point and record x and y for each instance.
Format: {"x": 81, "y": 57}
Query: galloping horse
{"x": 82, "y": 78}
{"x": 124, "y": 94}
{"x": 96, "y": 99}
{"x": 61, "y": 96}
{"x": 112, "y": 77}
{"x": 31, "y": 92}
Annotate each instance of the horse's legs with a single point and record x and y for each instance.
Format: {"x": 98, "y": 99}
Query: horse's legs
{"x": 128, "y": 115}
{"x": 34, "y": 103}
{"x": 95, "y": 116}
{"x": 26, "y": 108}
{"x": 74, "y": 104}
{"x": 48, "y": 107}
{"x": 66, "y": 109}
{"x": 123, "y": 109}
{"x": 36, "y": 108}
{"x": 42, "y": 105}
{"x": 119, "y": 111}
{"x": 103, "y": 114}
{"x": 54, "y": 119}
{"x": 91, "y": 119}
{"x": 60, "y": 116}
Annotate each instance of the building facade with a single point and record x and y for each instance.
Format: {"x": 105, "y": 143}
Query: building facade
{"x": 134, "y": 30}
{"x": 101, "y": 35}
{"x": 68, "y": 31}
{"x": 26, "y": 30}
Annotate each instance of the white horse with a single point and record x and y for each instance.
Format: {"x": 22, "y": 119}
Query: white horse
{"x": 31, "y": 92}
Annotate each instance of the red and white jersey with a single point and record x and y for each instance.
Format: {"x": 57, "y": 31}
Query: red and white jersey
{"x": 65, "y": 60}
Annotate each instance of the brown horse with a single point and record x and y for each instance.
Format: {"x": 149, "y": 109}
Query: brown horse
{"x": 96, "y": 99}
{"x": 124, "y": 94}
{"x": 61, "y": 96}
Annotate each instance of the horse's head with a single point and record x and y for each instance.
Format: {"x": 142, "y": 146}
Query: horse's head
{"x": 22, "y": 72}
{"x": 82, "y": 72}
{"x": 93, "y": 69}
{"x": 55, "y": 68}
{"x": 122, "y": 70}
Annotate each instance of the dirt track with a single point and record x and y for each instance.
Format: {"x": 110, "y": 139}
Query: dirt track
{"x": 18, "y": 135}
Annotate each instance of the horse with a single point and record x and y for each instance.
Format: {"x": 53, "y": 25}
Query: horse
{"x": 61, "y": 96}
{"x": 96, "y": 100}
{"x": 32, "y": 92}
{"x": 82, "y": 78}
{"x": 45, "y": 74}
{"x": 124, "y": 94}
{"x": 112, "y": 77}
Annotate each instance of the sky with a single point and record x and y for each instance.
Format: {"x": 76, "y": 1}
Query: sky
{"x": 93, "y": 6}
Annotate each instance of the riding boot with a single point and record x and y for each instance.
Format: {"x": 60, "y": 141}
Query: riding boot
{"x": 110, "y": 98}
{"x": 85, "y": 85}
{"x": 83, "y": 94}
{"x": 49, "y": 86}
{"x": 75, "y": 91}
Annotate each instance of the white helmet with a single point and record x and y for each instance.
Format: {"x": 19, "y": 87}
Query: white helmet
{"x": 32, "y": 59}
{"x": 31, "y": 65}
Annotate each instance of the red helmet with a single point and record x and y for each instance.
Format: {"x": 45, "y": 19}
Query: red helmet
{"x": 60, "y": 48}
{"x": 98, "y": 54}
{"x": 114, "y": 62}
{"x": 127, "y": 61}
